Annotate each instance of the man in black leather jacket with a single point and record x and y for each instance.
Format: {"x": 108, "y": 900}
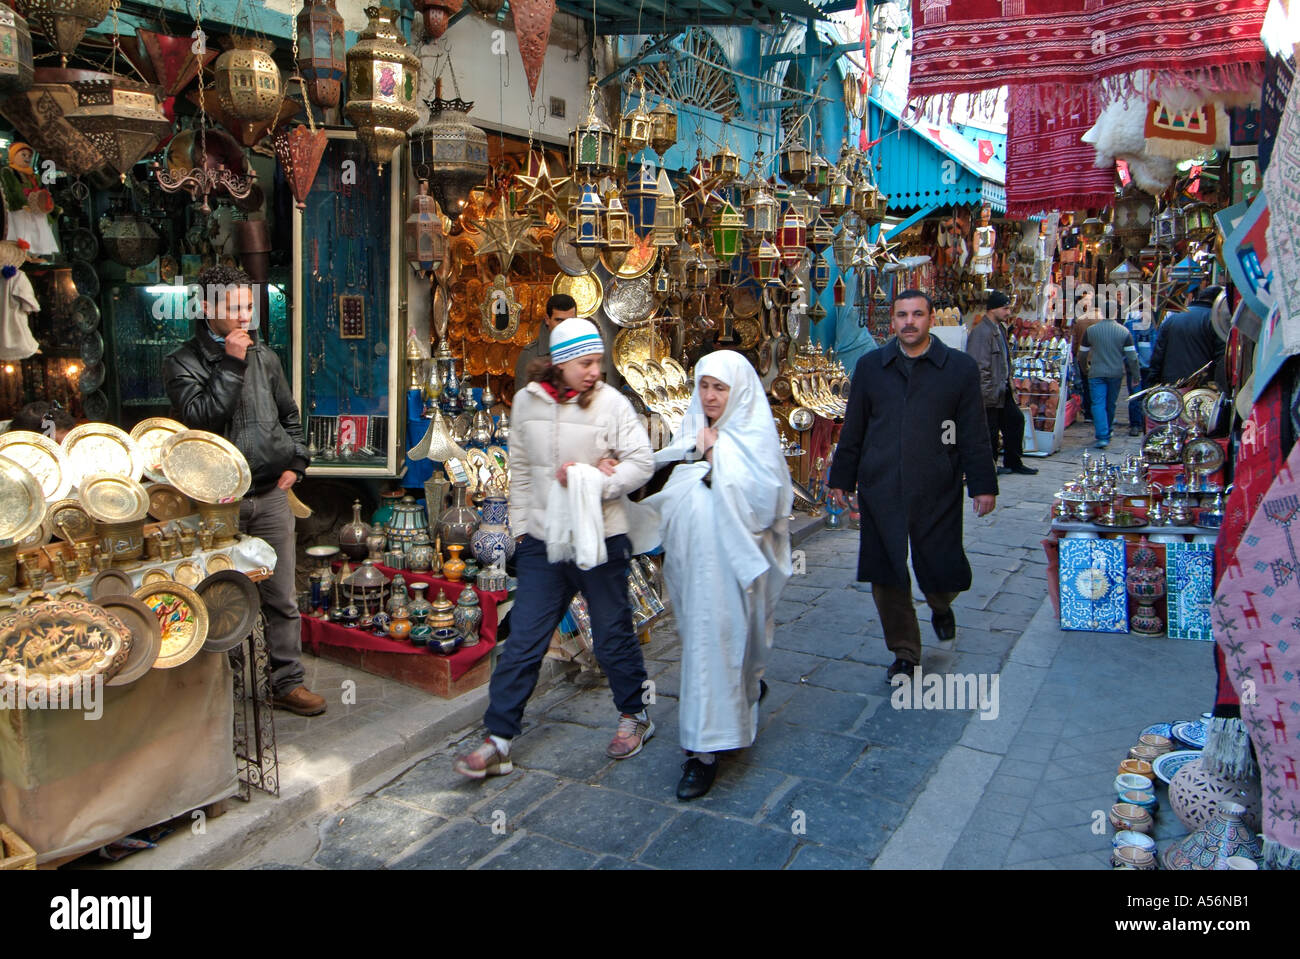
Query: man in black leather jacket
{"x": 1185, "y": 342}
{"x": 222, "y": 381}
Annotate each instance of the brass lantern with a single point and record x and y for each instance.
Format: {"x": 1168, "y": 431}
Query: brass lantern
{"x": 17, "y": 69}
{"x": 793, "y": 238}
{"x": 766, "y": 261}
{"x": 837, "y": 291}
{"x": 843, "y": 248}
{"x": 839, "y": 194}
{"x": 663, "y": 129}
{"x": 618, "y": 230}
{"x": 668, "y": 213}
{"x": 762, "y": 213}
{"x": 820, "y": 235}
{"x": 426, "y": 243}
{"x": 635, "y": 127}
{"x": 383, "y": 75}
{"x": 820, "y": 274}
{"x": 864, "y": 198}
{"x": 248, "y": 82}
{"x": 1198, "y": 220}
{"x": 322, "y": 52}
{"x": 794, "y": 163}
{"x": 586, "y": 220}
{"x": 642, "y": 198}
{"x": 65, "y": 22}
{"x": 819, "y": 174}
{"x": 1091, "y": 228}
{"x": 725, "y": 165}
{"x": 450, "y": 152}
{"x": 726, "y": 233}
{"x": 1168, "y": 227}
{"x": 129, "y": 239}
{"x": 593, "y": 147}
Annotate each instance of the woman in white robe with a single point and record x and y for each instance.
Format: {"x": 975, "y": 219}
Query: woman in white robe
{"x": 724, "y": 526}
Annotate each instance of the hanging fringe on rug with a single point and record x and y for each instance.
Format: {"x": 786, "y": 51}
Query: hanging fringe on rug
{"x": 1227, "y": 750}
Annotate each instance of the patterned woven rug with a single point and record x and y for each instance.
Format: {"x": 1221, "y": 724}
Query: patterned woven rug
{"x": 1048, "y": 167}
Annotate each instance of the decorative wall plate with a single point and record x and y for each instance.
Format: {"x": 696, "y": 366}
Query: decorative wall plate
{"x": 155, "y": 575}
{"x": 640, "y": 259}
{"x": 95, "y": 406}
{"x": 108, "y": 498}
{"x": 150, "y": 435}
{"x": 586, "y": 290}
{"x": 82, "y": 245}
{"x": 85, "y": 313}
{"x": 166, "y": 502}
{"x": 56, "y": 644}
{"x": 22, "y": 507}
{"x": 566, "y": 256}
{"x": 1163, "y": 406}
{"x": 85, "y": 279}
{"x": 765, "y": 359}
{"x": 636, "y": 346}
{"x": 780, "y": 388}
{"x": 42, "y": 457}
{"x": 110, "y": 582}
{"x": 68, "y": 521}
{"x": 146, "y": 635}
{"x": 749, "y": 332}
{"x": 745, "y": 302}
{"x": 801, "y": 418}
{"x": 1190, "y": 734}
{"x": 183, "y": 618}
{"x": 1198, "y": 404}
{"x": 218, "y": 562}
{"x": 1203, "y": 456}
{"x": 205, "y": 467}
{"x": 629, "y": 303}
{"x": 91, "y": 378}
{"x": 233, "y": 604}
{"x": 101, "y": 448}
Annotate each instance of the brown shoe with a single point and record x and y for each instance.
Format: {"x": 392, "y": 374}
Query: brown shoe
{"x": 632, "y": 734}
{"x": 482, "y": 762}
{"x": 300, "y": 700}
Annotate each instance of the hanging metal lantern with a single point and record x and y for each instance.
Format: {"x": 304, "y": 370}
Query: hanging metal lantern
{"x": 794, "y": 163}
{"x": 663, "y": 129}
{"x": 663, "y": 283}
{"x": 450, "y": 152}
{"x": 762, "y": 213}
{"x": 426, "y": 243}
{"x": 16, "y": 64}
{"x": 437, "y": 15}
{"x": 1168, "y": 228}
{"x": 322, "y": 57}
{"x": 820, "y": 274}
{"x": 808, "y": 207}
{"x": 129, "y": 239}
{"x": 592, "y": 145}
{"x": 766, "y": 261}
{"x": 668, "y": 214}
{"x": 1198, "y": 221}
{"x": 819, "y": 174}
{"x": 725, "y": 165}
{"x": 248, "y": 85}
{"x": 793, "y": 238}
{"x": 642, "y": 198}
{"x": 586, "y": 221}
{"x": 1132, "y": 220}
{"x": 64, "y": 22}
{"x": 843, "y": 248}
{"x": 882, "y": 206}
{"x": 383, "y": 75}
{"x": 817, "y": 313}
{"x": 122, "y": 118}
{"x": 634, "y": 127}
{"x": 863, "y": 202}
{"x": 618, "y": 230}
{"x": 839, "y": 194}
{"x": 820, "y": 235}
{"x": 1091, "y": 228}
{"x": 837, "y": 291}
{"x": 299, "y": 151}
{"x": 726, "y": 233}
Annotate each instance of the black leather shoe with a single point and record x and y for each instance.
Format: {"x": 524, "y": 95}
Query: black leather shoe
{"x": 1135, "y": 431}
{"x": 1004, "y": 470}
{"x": 945, "y": 626}
{"x": 762, "y": 690}
{"x": 1023, "y": 470}
{"x": 900, "y": 666}
{"x": 697, "y": 777}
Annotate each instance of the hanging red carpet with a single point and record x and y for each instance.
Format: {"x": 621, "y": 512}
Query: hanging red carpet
{"x": 1047, "y": 165}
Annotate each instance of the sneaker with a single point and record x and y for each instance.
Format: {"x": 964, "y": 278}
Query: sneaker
{"x": 300, "y": 700}
{"x": 483, "y": 762}
{"x": 696, "y": 779}
{"x": 631, "y": 736}
{"x": 900, "y": 666}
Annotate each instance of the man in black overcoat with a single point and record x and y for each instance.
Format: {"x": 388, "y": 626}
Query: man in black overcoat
{"x": 914, "y": 427}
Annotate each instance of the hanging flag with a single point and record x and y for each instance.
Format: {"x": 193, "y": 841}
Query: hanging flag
{"x": 986, "y": 151}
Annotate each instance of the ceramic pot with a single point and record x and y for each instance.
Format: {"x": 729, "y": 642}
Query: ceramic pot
{"x": 1140, "y": 797}
{"x": 1224, "y": 836}
{"x": 398, "y": 598}
{"x": 453, "y": 568}
{"x": 1144, "y": 753}
{"x": 444, "y": 640}
{"x": 1195, "y": 794}
{"x": 1125, "y": 815}
{"x": 492, "y": 538}
{"x": 1129, "y": 837}
{"x": 1127, "y": 781}
{"x": 352, "y": 536}
{"x": 381, "y": 623}
{"x": 442, "y": 613}
{"x": 420, "y": 607}
{"x": 400, "y": 626}
{"x": 1131, "y": 857}
{"x": 1162, "y": 744}
{"x": 420, "y": 635}
{"x": 469, "y": 616}
{"x": 406, "y": 523}
{"x": 1135, "y": 767}
{"x": 419, "y": 558}
{"x": 387, "y": 500}
{"x": 457, "y": 524}
{"x": 375, "y": 544}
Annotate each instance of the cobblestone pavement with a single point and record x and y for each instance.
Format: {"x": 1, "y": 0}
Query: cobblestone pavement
{"x": 838, "y": 777}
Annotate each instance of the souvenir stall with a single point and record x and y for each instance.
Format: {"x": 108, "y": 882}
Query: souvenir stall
{"x": 130, "y": 602}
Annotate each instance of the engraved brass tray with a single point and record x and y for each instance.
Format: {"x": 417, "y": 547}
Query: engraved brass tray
{"x": 189, "y": 573}
{"x": 150, "y": 435}
{"x": 22, "y": 507}
{"x": 55, "y": 645}
{"x": 42, "y": 457}
{"x": 166, "y": 502}
{"x": 109, "y": 498}
{"x": 68, "y": 521}
{"x": 630, "y": 303}
{"x": 183, "y": 617}
{"x": 233, "y": 605}
{"x": 146, "y": 635}
{"x": 205, "y": 467}
{"x": 101, "y": 448}
{"x": 218, "y": 562}
{"x": 639, "y": 261}
{"x": 586, "y": 291}
{"x": 566, "y": 256}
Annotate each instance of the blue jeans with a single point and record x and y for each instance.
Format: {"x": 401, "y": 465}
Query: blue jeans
{"x": 1135, "y": 406}
{"x": 1105, "y": 394}
{"x": 545, "y": 590}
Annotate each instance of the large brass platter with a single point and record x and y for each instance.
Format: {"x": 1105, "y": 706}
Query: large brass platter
{"x": 637, "y": 346}
{"x": 1197, "y": 405}
{"x": 639, "y": 259}
{"x": 744, "y": 302}
{"x": 629, "y": 303}
{"x": 749, "y": 333}
{"x": 205, "y": 467}
{"x": 101, "y": 448}
{"x": 109, "y": 498}
{"x": 150, "y": 435}
{"x": 233, "y": 605}
{"x": 146, "y": 635}
{"x": 22, "y": 507}
{"x": 56, "y": 645}
{"x": 42, "y": 457}
{"x": 586, "y": 291}
{"x": 566, "y": 255}
{"x": 183, "y": 617}
{"x": 166, "y": 502}
{"x": 68, "y": 521}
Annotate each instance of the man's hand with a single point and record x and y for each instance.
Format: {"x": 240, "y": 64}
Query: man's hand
{"x": 983, "y": 505}
{"x": 237, "y": 343}
{"x": 607, "y": 465}
{"x": 287, "y": 479}
{"x": 839, "y": 498}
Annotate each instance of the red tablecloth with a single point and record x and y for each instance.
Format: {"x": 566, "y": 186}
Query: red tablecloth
{"x": 317, "y": 631}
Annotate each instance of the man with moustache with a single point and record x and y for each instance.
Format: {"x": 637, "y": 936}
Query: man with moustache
{"x": 915, "y": 426}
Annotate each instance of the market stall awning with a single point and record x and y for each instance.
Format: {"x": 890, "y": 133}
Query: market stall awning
{"x": 613, "y": 17}
{"x": 927, "y": 165}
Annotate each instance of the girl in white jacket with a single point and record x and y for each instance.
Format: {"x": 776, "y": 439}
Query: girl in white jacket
{"x": 568, "y": 513}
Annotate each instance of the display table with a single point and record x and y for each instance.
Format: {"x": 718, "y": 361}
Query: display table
{"x": 162, "y": 747}
{"x": 445, "y": 676}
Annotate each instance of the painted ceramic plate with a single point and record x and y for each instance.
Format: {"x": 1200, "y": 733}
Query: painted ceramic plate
{"x": 233, "y": 604}
{"x": 1166, "y": 767}
{"x": 146, "y": 635}
{"x": 82, "y": 245}
{"x": 183, "y": 618}
{"x": 101, "y": 448}
{"x": 95, "y": 406}
{"x": 42, "y": 457}
{"x": 92, "y": 347}
{"x": 1190, "y": 734}
{"x": 1159, "y": 729}
{"x": 151, "y": 434}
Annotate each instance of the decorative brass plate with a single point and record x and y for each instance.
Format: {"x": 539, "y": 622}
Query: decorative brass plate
{"x": 109, "y": 498}
{"x": 801, "y": 419}
{"x": 233, "y": 604}
{"x": 188, "y": 573}
{"x": 1203, "y": 456}
{"x": 146, "y": 635}
{"x": 566, "y": 256}
{"x": 218, "y": 562}
{"x": 629, "y": 303}
{"x": 744, "y": 302}
{"x": 42, "y": 457}
{"x": 1197, "y": 404}
{"x": 500, "y": 311}
{"x": 150, "y": 435}
{"x": 101, "y": 448}
{"x": 110, "y": 582}
{"x": 22, "y": 507}
{"x": 640, "y": 259}
{"x": 586, "y": 290}
{"x": 183, "y": 618}
{"x": 155, "y": 575}
{"x": 781, "y": 389}
{"x": 67, "y": 519}
{"x": 166, "y": 502}
{"x": 636, "y": 346}
{"x": 1163, "y": 405}
{"x": 749, "y": 332}
{"x": 205, "y": 467}
{"x": 54, "y": 645}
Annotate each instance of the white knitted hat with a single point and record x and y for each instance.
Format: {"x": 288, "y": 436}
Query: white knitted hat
{"x": 575, "y": 337}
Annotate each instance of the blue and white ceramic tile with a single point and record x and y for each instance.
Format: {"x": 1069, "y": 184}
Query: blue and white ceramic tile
{"x": 1189, "y": 578}
{"x": 1093, "y": 596}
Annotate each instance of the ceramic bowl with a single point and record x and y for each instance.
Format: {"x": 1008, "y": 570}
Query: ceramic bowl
{"x": 1131, "y": 857}
{"x": 1162, "y": 743}
{"x": 1147, "y": 754}
{"x": 1127, "y": 815}
{"x": 1140, "y": 797}
{"x": 444, "y": 641}
{"x": 1129, "y": 837}
{"x": 1135, "y": 767}
{"x": 1127, "y": 781}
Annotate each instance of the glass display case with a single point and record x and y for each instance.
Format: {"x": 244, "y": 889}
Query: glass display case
{"x": 347, "y": 313}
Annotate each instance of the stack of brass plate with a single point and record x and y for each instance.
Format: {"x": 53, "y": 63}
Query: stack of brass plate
{"x": 183, "y": 618}
{"x": 68, "y": 520}
{"x": 22, "y": 507}
{"x": 43, "y": 458}
{"x": 166, "y": 502}
{"x": 824, "y": 395}
{"x": 205, "y": 467}
{"x": 55, "y": 645}
{"x": 109, "y": 498}
{"x": 100, "y": 448}
{"x": 150, "y": 435}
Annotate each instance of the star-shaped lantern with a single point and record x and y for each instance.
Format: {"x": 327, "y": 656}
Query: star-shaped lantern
{"x": 505, "y": 235}
{"x": 541, "y": 188}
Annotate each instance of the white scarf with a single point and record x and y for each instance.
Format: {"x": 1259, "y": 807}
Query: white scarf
{"x": 575, "y": 519}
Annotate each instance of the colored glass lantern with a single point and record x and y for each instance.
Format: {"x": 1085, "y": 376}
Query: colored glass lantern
{"x": 663, "y": 129}
{"x": 17, "y": 68}
{"x": 795, "y": 159}
{"x": 618, "y": 230}
{"x": 820, "y": 274}
{"x": 322, "y": 52}
{"x": 726, "y": 233}
{"x": 793, "y": 238}
{"x": 817, "y": 313}
{"x": 593, "y": 147}
{"x": 820, "y": 235}
{"x": 426, "y": 243}
{"x": 642, "y": 198}
{"x": 663, "y": 283}
{"x": 882, "y": 205}
{"x": 863, "y": 202}
{"x": 586, "y": 220}
{"x": 842, "y": 249}
{"x": 762, "y": 213}
{"x": 248, "y": 84}
{"x": 837, "y": 291}
{"x": 766, "y": 261}
{"x": 668, "y": 213}
{"x": 383, "y": 76}
{"x": 1198, "y": 220}
{"x": 808, "y": 207}
{"x": 819, "y": 174}
{"x": 839, "y": 194}
{"x": 634, "y": 129}
{"x": 725, "y": 165}
{"x": 450, "y": 152}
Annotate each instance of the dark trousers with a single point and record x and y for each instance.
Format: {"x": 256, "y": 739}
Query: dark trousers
{"x": 1008, "y": 420}
{"x": 898, "y": 617}
{"x": 268, "y": 517}
{"x": 542, "y": 598}
{"x": 1087, "y": 398}
{"x": 1135, "y": 416}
